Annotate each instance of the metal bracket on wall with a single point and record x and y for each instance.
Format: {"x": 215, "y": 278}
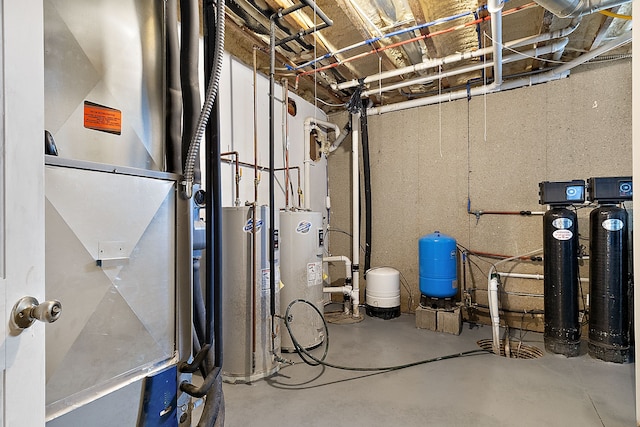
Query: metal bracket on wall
{"x": 112, "y": 254}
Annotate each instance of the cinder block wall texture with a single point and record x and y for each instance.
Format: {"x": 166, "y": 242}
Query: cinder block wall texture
{"x": 429, "y": 164}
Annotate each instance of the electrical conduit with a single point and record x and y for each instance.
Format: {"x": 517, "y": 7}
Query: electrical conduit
{"x": 212, "y": 92}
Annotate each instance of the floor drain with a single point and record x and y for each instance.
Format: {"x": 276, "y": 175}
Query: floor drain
{"x": 517, "y": 350}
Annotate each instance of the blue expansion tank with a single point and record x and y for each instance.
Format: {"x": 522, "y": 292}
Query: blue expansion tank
{"x": 438, "y": 269}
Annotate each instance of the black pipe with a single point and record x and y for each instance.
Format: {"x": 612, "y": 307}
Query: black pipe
{"x": 199, "y": 309}
{"x": 214, "y": 196}
{"x": 272, "y": 209}
{"x": 267, "y": 14}
{"x": 174, "y": 96}
{"x": 366, "y": 170}
{"x": 189, "y": 36}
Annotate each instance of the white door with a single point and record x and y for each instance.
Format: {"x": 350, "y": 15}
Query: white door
{"x": 22, "y": 360}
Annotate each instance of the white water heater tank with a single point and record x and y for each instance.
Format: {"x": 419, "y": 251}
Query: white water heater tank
{"x": 383, "y": 292}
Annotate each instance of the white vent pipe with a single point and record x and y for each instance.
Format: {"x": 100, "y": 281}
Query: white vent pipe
{"x": 309, "y": 124}
{"x": 574, "y": 8}
{"x": 494, "y": 307}
{"x": 457, "y": 57}
{"x": 556, "y": 46}
{"x": 555, "y": 74}
{"x": 347, "y": 264}
{"x": 495, "y": 9}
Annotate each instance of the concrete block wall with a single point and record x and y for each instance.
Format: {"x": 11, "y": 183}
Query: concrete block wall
{"x": 429, "y": 163}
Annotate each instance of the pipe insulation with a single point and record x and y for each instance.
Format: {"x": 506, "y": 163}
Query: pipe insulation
{"x": 575, "y": 8}
{"x": 556, "y": 46}
{"x": 554, "y": 74}
{"x": 457, "y": 57}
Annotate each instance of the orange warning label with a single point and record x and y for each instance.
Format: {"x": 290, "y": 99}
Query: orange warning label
{"x": 104, "y": 119}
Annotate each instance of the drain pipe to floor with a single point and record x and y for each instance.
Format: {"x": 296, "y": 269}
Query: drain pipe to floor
{"x": 347, "y": 289}
{"x": 494, "y": 306}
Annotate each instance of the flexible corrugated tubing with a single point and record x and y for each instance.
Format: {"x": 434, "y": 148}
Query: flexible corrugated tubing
{"x": 205, "y": 113}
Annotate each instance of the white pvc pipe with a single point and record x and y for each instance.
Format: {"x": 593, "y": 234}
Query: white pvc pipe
{"x": 457, "y": 57}
{"x": 312, "y": 123}
{"x": 494, "y": 308}
{"x": 338, "y": 290}
{"x": 531, "y": 276}
{"x": 495, "y": 9}
{"x": 555, "y": 74}
{"x": 341, "y": 258}
{"x": 494, "y": 312}
{"x": 543, "y": 50}
{"x": 355, "y": 211}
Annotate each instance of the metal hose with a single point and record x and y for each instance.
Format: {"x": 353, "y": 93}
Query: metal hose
{"x": 210, "y": 97}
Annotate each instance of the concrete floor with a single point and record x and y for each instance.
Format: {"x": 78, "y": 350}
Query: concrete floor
{"x": 481, "y": 390}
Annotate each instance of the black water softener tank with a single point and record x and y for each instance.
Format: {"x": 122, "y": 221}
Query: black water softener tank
{"x": 561, "y": 305}
{"x": 609, "y": 321}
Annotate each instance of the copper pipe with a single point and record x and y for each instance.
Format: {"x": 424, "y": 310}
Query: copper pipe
{"x": 501, "y": 256}
{"x": 287, "y": 174}
{"x": 285, "y": 111}
{"x": 237, "y": 174}
{"x": 266, "y": 169}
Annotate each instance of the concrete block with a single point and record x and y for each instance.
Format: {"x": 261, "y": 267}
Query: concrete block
{"x": 449, "y": 321}
{"x": 426, "y": 318}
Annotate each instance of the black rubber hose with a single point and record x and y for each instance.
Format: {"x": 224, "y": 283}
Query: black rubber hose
{"x": 174, "y": 95}
{"x": 213, "y": 412}
{"x": 205, "y": 387}
{"x": 366, "y": 171}
{"x": 321, "y": 361}
{"x": 199, "y": 310}
{"x": 214, "y": 196}
{"x": 189, "y": 53}
{"x": 190, "y": 368}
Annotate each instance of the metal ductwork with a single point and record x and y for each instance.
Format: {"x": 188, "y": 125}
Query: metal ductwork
{"x": 575, "y": 8}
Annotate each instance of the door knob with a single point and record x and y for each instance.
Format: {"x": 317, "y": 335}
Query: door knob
{"x": 27, "y": 310}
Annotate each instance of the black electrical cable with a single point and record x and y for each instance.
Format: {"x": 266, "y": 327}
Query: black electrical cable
{"x": 214, "y": 193}
{"x": 213, "y": 412}
{"x": 304, "y": 353}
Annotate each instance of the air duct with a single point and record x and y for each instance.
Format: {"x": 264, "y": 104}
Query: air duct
{"x": 575, "y": 8}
